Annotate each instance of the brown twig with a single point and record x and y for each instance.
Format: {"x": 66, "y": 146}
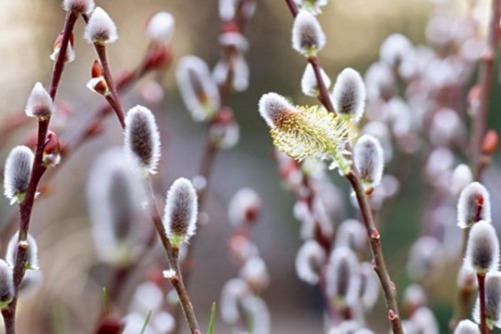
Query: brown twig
{"x": 38, "y": 170}
{"x": 375, "y": 239}
{"x": 481, "y": 297}
{"x": 115, "y": 98}
{"x": 179, "y": 286}
{"x": 377, "y": 252}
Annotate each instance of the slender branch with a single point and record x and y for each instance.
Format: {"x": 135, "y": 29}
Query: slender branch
{"x": 485, "y": 83}
{"x": 292, "y": 7}
{"x": 186, "y": 304}
{"x": 324, "y": 96}
{"x": 375, "y": 239}
{"x": 117, "y": 106}
{"x": 38, "y": 170}
{"x": 377, "y": 252}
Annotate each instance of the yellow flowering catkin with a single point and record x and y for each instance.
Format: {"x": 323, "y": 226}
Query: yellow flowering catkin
{"x": 312, "y": 132}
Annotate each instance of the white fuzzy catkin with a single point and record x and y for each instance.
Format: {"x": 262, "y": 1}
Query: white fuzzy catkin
{"x": 244, "y": 207}
{"x": 240, "y": 72}
{"x": 492, "y": 301}
{"x": 348, "y": 94}
{"x": 343, "y": 276}
{"x": 255, "y": 273}
{"x": 6, "y": 284}
{"x": 351, "y": 233}
{"x": 31, "y": 254}
{"x": 425, "y": 321}
{"x": 467, "y": 278}
{"x": 116, "y": 200}
{"x": 79, "y": 6}
{"x": 424, "y": 256}
{"x": 467, "y": 327}
{"x": 197, "y": 88}
{"x": 368, "y": 157}
{"x": 482, "y": 251}
{"x": 232, "y": 294}
{"x": 461, "y": 177}
{"x": 474, "y": 204}
{"x": 309, "y": 83}
{"x": 17, "y": 173}
{"x": 224, "y": 135}
{"x": 307, "y": 34}
{"x": 39, "y": 103}
{"x": 257, "y": 314}
{"x": 161, "y": 27}
{"x": 394, "y": 49}
{"x": 181, "y": 211}
{"x": 100, "y": 29}
{"x": 414, "y": 296}
{"x": 309, "y": 261}
{"x": 142, "y": 139}
{"x": 227, "y": 9}
{"x": 272, "y": 107}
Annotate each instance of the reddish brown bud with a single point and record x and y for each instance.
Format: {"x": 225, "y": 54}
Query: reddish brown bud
{"x": 375, "y": 234}
{"x": 490, "y": 142}
{"x": 392, "y": 315}
{"x": 96, "y": 70}
{"x": 52, "y": 150}
{"x": 158, "y": 56}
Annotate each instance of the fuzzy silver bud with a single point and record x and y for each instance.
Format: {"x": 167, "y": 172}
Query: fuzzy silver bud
{"x": 181, "y": 211}
{"x": 100, "y": 29}
{"x": 116, "y": 200}
{"x": 6, "y": 285}
{"x": 425, "y": 321}
{"x": 272, "y": 107}
{"x": 474, "y": 204}
{"x": 424, "y": 257}
{"x": 244, "y": 207}
{"x": 368, "y": 157}
{"x": 161, "y": 27}
{"x": 17, "y": 173}
{"x": 142, "y": 140}
{"x": 40, "y": 103}
{"x": 309, "y": 261}
{"x": 309, "y": 83}
{"x": 351, "y": 233}
{"x": 307, "y": 35}
{"x": 343, "y": 277}
{"x": 461, "y": 178}
{"x": 233, "y": 293}
{"x": 348, "y": 94}
{"x": 197, "y": 88}
{"x": 255, "y": 273}
{"x": 467, "y": 327}
{"x": 31, "y": 259}
{"x": 79, "y": 6}
{"x": 482, "y": 250}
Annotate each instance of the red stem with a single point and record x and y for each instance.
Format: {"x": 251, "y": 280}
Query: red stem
{"x": 481, "y": 296}
{"x": 38, "y": 170}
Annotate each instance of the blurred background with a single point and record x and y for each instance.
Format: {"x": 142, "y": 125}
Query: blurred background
{"x": 69, "y": 298}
